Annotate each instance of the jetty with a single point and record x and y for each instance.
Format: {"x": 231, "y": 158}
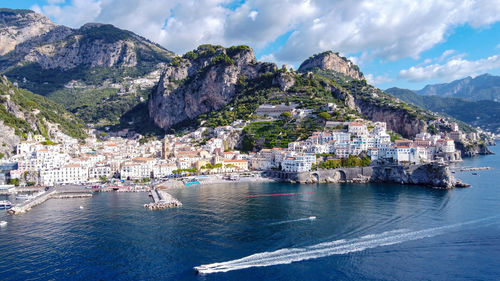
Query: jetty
{"x": 475, "y": 169}
{"x": 50, "y": 193}
{"x": 162, "y": 200}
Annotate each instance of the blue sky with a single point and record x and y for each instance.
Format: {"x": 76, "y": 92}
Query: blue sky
{"x": 405, "y": 43}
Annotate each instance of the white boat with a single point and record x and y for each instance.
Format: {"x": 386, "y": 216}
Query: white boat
{"x": 3, "y": 223}
{"x": 5, "y": 204}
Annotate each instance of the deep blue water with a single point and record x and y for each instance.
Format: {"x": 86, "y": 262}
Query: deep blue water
{"x": 372, "y": 231}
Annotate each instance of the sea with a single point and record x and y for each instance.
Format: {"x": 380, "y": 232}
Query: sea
{"x": 303, "y": 232}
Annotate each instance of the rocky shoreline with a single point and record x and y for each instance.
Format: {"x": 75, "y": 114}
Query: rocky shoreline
{"x": 433, "y": 175}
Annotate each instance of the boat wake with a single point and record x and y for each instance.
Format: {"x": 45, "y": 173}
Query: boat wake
{"x": 311, "y": 218}
{"x": 337, "y": 247}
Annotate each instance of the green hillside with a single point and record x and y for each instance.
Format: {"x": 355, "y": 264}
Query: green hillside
{"x": 33, "y": 112}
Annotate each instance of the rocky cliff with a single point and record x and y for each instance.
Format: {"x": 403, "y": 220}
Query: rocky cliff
{"x": 332, "y": 61}
{"x": 433, "y": 175}
{"x": 18, "y": 26}
{"x": 202, "y": 81}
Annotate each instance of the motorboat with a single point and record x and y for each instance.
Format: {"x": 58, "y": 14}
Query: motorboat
{"x": 5, "y": 204}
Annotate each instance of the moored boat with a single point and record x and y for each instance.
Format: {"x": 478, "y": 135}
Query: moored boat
{"x": 5, "y": 204}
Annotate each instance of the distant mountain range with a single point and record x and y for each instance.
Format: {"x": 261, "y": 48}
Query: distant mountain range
{"x": 483, "y": 87}
{"x": 483, "y": 113}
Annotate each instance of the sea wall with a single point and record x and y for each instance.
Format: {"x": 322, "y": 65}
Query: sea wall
{"x": 433, "y": 175}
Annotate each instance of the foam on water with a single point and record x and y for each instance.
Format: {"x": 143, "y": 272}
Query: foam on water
{"x": 337, "y": 247}
{"x": 311, "y": 218}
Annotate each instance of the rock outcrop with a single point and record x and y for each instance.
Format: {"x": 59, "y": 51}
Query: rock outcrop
{"x": 332, "y": 61}
{"x": 474, "y": 149}
{"x": 202, "y": 81}
{"x": 433, "y": 175}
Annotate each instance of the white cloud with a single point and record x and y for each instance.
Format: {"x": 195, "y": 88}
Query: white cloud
{"x": 376, "y": 80}
{"x": 451, "y": 70}
{"x": 253, "y": 15}
{"x": 498, "y": 46}
{"x": 375, "y": 28}
{"x": 75, "y": 14}
{"x": 446, "y": 54}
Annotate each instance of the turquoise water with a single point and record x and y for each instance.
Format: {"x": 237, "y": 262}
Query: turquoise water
{"x": 340, "y": 232}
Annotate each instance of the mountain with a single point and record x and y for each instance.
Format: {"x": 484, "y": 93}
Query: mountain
{"x": 23, "y": 113}
{"x": 483, "y": 113}
{"x": 483, "y": 87}
{"x": 99, "y": 72}
{"x": 202, "y": 81}
{"x": 215, "y": 86}
{"x": 332, "y": 61}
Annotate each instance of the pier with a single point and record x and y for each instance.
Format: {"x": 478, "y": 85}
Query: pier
{"x": 162, "y": 200}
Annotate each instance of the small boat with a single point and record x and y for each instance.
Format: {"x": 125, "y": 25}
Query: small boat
{"x": 192, "y": 182}
{"x": 3, "y": 223}
{"x": 81, "y": 207}
{"x": 5, "y": 204}
{"x": 475, "y": 174}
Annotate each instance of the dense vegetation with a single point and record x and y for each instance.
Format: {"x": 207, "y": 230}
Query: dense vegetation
{"x": 351, "y": 161}
{"x": 48, "y": 111}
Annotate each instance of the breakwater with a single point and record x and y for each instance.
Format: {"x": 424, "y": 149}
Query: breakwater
{"x": 433, "y": 174}
{"x": 162, "y": 200}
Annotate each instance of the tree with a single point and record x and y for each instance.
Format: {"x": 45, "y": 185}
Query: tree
{"x": 14, "y": 182}
{"x": 286, "y": 115}
{"x": 103, "y": 179}
{"x": 324, "y": 115}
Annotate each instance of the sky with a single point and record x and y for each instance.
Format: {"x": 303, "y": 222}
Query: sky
{"x": 402, "y": 43}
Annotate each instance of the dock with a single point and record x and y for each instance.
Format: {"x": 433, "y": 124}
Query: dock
{"x": 162, "y": 200}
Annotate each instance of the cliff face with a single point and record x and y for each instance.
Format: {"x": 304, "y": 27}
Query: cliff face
{"x": 332, "y": 61}
{"x": 202, "y": 81}
{"x": 398, "y": 120}
{"x": 433, "y": 175}
{"x": 92, "y": 45}
{"x": 17, "y": 27}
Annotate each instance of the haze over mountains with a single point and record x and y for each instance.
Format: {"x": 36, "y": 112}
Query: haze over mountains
{"x": 471, "y": 100}
{"x": 482, "y": 87}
